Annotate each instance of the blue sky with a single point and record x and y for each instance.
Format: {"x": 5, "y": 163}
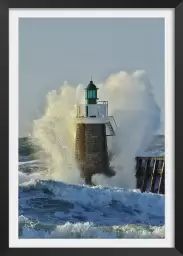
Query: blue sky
{"x": 52, "y": 50}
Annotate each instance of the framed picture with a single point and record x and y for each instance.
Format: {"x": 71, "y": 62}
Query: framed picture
{"x": 72, "y": 179}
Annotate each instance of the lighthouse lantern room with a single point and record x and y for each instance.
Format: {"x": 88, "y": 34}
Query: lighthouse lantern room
{"x": 91, "y": 93}
{"x": 93, "y": 125}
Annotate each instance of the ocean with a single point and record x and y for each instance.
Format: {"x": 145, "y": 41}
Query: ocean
{"x": 54, "y": 209}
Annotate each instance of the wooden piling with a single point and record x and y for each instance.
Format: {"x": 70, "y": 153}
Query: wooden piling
{"x": 146, "y": 177}
{"x": 143, "y": 186}
{"x": 162, "y": 186}
{"x": 152, "y": 176}
{"x": 160, "y": 174}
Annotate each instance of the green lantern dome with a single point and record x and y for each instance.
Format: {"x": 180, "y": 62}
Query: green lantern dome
{"x": 91, "y": 86}
{"x": 91, "y": 93}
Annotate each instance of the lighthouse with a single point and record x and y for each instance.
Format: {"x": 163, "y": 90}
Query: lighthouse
{"x": 93, "y": 126}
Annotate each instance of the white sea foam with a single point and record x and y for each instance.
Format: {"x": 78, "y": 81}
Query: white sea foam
{"x": 89, "y": 230}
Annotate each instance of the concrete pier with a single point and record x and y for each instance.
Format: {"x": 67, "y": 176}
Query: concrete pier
{"x": 150, "y": 174}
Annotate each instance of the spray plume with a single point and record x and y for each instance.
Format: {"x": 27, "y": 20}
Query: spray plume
{"x": 131, "y": 102}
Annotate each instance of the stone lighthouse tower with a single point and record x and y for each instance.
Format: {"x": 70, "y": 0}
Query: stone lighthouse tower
{"x": 93, "y": 125}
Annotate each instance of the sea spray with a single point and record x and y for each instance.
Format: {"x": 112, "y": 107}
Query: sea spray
{"x": 54, "y": 133}
{"x": 131, "y": 102}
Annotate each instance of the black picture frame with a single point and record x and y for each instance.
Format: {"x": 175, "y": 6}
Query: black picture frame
{"x": 4, "y": 99}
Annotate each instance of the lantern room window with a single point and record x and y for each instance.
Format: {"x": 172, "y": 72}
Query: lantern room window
{"x": 94, "y": 94}
{"x": 91, "y": 94}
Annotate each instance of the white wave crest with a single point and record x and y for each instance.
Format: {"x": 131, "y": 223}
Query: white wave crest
{"x": 89, "y": 230}
{"x": 146, "y": 203}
